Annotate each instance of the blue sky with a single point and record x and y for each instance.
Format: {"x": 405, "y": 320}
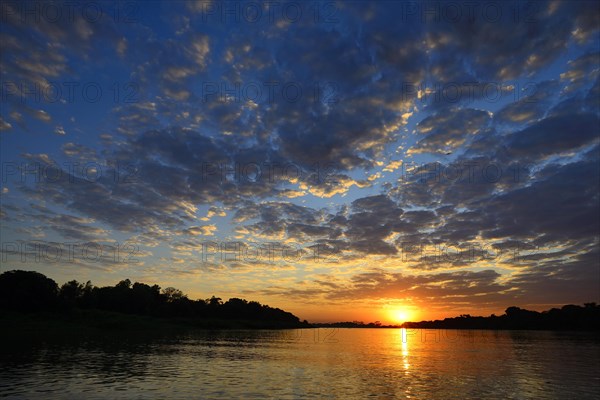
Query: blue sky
{"x": 343, "y": 160}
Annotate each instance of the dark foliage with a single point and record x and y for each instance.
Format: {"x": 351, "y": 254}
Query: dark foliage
{"x": 27, "y": 291}
{"x": 32, "y": 291}
{"x": 569, "y": 317}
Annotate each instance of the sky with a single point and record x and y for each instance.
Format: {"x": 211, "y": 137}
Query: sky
{"x": 355, "y": 160}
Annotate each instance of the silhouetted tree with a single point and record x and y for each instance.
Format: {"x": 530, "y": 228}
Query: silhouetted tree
{"x": 214, "y": 301}
{"x": 171, "y": 294}
{"x": 27, "y": 291}
{"x": 145, "y": 299}
{"x": 123, "y": 285}
{"x": 87, "y": 299}
{"x": 70, "y": 294}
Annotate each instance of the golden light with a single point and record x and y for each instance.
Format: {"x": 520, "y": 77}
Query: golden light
{"x": 399, "y": 315}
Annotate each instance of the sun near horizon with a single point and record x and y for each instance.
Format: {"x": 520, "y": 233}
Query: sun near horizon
{"x": 400, "y": 316}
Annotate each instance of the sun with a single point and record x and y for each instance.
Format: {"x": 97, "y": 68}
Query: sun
{"x": 399, "y": 315}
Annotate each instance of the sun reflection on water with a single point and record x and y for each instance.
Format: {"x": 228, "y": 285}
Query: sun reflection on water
{"x": 404, "y": 340}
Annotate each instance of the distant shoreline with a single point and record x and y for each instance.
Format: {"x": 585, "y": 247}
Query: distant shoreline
{"x": 569, "y": 317}
{"x": 31, "y": 302}
{"x": 82, "y": 322}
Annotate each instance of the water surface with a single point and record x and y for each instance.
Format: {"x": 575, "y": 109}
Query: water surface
{"x": 308, "y": 363}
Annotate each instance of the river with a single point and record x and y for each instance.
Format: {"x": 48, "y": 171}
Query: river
{"x": 306, "y": 363}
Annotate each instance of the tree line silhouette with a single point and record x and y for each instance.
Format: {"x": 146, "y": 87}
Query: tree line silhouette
{"x": 568, "y": 317}
{"x": 30, "y": 291}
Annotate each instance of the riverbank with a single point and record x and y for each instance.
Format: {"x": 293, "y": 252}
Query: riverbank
{"x": 96, "y": 321}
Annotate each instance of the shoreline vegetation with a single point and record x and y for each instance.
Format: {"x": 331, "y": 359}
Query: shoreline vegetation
{"x": 567, "y": 318}
{"x": 31, "y": 303}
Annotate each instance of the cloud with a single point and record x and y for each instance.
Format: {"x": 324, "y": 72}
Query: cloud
{"x": 528, "y": 108}
{"x": 291, "y": 194}
{"x": 554, "y": 135}
{"x": 204, "y": 230}
{"x": 392, "y": 166}
{"x": 4, "y": 125}
{"x": 581, "y": 71}
{"x": 449, "y": 130}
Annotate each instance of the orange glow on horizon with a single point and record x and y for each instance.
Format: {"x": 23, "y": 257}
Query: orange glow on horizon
{"x": 399, "y": 315}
